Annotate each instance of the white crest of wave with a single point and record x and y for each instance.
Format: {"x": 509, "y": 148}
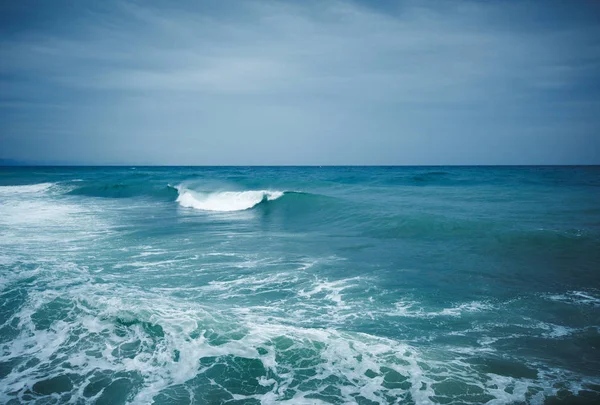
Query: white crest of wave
{"x": 29, "y": 188}
{"x": 224, "y": 201}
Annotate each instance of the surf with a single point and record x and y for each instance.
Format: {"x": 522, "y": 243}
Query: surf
{"x": 25, "y": 189}
{"x": 225, "y": 201}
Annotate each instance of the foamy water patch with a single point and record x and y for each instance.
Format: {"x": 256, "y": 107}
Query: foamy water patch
{"x": 37, "y": 213}
{"x": 554, "y": 331}
{"x": 331, "y": 290}
{"x": 25, "y": 189}
{"x": 577, "y": 298}
{"x": 251, "y": 285}
{"x": 412, "y": 309}
{"x": 165, "y": 344}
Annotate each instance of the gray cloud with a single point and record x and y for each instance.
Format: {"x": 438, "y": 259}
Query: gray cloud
{"x": 304, "y": 83}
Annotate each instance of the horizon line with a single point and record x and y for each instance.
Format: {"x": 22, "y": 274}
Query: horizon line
{"x": 293, "y": 165}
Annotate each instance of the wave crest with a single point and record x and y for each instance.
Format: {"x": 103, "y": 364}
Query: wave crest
{"x": 225, "y": 201}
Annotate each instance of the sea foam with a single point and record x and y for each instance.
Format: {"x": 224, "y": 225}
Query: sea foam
{"x": 28, "y": 188}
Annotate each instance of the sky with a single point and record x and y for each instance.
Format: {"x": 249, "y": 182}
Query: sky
{"x": 343, "y": 82}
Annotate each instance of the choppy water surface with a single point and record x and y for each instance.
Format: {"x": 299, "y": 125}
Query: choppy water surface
{"x": 300, "y": 285}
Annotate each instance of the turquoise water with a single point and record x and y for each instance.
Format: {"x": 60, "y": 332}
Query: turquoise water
{"x": 424, "y": 285}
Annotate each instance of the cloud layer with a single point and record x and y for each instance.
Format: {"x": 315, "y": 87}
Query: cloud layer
{"x": 333, "y": 82}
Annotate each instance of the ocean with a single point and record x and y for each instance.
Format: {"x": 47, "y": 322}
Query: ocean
{"x": 300, "y": 285}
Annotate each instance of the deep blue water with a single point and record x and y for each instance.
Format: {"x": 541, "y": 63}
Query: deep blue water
{"x": 245, "y": 285}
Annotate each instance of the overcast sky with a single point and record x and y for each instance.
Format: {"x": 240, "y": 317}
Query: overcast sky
{"x": 300, "y": 82}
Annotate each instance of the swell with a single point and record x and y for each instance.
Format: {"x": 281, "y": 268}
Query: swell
{"x": 125, "y": 190}
{"x": 428, "y": 226}
{"x": 425, "y": 178}
{"x": 493, "y": 234}
{"x": 401, "y": 177}
{"x": 293, "y": 202}
{"x": 573, "y": 253}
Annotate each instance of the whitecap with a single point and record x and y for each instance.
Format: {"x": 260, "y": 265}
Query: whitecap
{"x": 224, "y": 201}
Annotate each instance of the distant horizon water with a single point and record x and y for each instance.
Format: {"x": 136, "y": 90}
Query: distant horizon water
{"x": 124, "y": 165}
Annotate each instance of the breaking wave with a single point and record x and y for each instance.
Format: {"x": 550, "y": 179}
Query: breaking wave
{"x": 225, "y": 201}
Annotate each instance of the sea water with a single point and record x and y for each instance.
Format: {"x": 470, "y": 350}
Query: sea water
{"x": 300, "y": 285}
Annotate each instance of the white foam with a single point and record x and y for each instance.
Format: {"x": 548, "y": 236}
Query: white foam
{"x": 409, "y": 309}
{"x": 29, "y": 188}
{"x": 331, "y": 289}
{"x": 474, "y": 306}
{"x": 253, "y": 284}
{"x": 146, "y": 265}
{"x": 555, "y": 331}
{"x": 36, "y": 212}
{"x": 576, "y": 297}
{"x": 507, "y": 390}
{"x": 224, "y": 201}
{"x": 356, "y": 363}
